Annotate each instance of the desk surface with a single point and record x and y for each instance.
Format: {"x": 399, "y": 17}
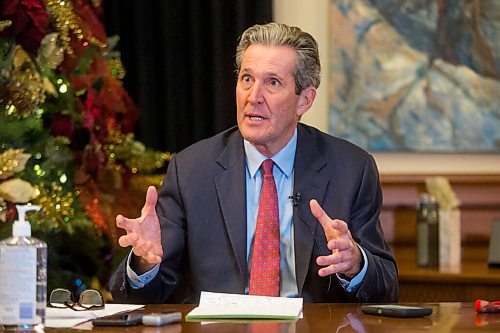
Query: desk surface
{"x": 446, "y": 317}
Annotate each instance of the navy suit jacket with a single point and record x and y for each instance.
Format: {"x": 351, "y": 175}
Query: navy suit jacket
{"x": 202, "y": 212}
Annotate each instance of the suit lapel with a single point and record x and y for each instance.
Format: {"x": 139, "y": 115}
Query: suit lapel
{"x": 231, "y": 191}
{"x": 311, "y": 182}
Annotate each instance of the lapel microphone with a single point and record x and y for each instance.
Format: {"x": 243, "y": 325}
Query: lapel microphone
{"x": 295, "y": 199}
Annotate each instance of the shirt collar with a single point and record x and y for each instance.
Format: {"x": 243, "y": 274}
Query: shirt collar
{"x": 284, "y": 159}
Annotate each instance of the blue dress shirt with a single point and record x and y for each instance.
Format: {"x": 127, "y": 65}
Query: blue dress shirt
{"x": 283, "y": 177}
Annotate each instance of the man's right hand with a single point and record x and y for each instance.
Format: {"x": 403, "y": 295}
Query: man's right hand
{"x": 143, "y": 234}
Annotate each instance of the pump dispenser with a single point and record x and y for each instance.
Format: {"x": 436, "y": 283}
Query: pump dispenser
{"x": 21, "y": 227}
{"x": 23, "y": 276}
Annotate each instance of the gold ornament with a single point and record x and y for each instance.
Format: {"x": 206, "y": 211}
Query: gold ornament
{"x": 5, "y": 24}
{"x": 68, "y": 24}
{"x": 115, "y": 67}
{"x": 50, "y": 53}
{"x": 49, "y": 87}
{"x": 123, "y": 150}
{"x": 17, "y": 190}
{"x": 12, "y": 161}
{"x": 25, "y": 90}
{"x": 57, "y": 205}
{"x": 97, "y": 3}
{"x": 3, "y": 210}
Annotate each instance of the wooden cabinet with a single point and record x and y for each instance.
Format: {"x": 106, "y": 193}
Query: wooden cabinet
{"x": 480, "y": 204}
{"x": 474, "y": 280}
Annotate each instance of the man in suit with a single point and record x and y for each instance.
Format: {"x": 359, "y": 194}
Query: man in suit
{"x": 199, "y": 232}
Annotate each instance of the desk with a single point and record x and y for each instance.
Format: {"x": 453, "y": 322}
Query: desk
{"x": 318, "y": 318}
{"x": 475, "y": 279}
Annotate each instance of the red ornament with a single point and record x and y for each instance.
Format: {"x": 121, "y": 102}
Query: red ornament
{"x": 29, "y": 21}
{"x": 62, "y": 125}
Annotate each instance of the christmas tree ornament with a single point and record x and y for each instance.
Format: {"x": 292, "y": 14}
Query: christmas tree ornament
{"x": 17, "y": 190}
{"x": 57, "y": 206}
{"x": 5, "y": 24}
{"x": 12, "y": 161}
{"x": 25, "y": 86}
{"x": 50, "y": 53}
{"x": 69, "y": 25}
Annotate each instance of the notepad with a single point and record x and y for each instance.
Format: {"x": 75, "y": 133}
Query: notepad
{"x": 236, "y": 306}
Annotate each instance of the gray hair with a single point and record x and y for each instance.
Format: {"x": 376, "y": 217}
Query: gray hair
{"x": 307, "y": 71}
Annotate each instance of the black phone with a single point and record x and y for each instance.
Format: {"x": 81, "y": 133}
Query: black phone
{"x": 396, "y": 310}
{"x": 130, "y": 319}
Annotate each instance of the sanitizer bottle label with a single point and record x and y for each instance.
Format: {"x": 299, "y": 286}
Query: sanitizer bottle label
{"x": 18, "y": 285}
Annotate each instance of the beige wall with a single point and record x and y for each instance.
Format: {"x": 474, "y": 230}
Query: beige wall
{"x": 312, "y": 16}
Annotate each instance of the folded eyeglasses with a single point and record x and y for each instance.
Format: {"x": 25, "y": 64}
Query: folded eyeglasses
{"x": 90, "y": 299}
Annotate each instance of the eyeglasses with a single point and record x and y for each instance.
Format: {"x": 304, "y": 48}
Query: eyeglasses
{"x": 89, "y": 299}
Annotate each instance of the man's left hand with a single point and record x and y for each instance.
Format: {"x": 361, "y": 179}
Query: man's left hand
{"x": 346, "y": 255}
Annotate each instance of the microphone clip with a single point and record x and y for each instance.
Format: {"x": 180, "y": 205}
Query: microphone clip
{"x": 295, "y": 199}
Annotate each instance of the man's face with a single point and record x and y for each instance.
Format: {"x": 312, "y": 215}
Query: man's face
{"x": 268, "y": 108}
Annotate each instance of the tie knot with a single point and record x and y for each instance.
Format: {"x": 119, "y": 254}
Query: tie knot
{"x": 267, "y": 166}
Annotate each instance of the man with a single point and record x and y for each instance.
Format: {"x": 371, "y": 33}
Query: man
{"x": 204, "y": 231}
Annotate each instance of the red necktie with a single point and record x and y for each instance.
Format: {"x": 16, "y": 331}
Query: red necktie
{"x": 265, "y": 267}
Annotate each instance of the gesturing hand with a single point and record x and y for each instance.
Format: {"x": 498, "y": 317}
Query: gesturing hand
{"x": 143, "y": 233}
{"x": 346, "y": 255}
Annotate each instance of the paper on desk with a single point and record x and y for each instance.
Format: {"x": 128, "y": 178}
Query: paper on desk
{"x": 235, "y": 306}
{"x": 59, "y": 317}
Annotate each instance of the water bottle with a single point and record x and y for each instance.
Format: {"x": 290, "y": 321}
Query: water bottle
{"x": 428, "y": 232}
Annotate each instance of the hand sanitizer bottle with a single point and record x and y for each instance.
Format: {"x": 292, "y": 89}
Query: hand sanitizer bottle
{"x": 23, "y": 277}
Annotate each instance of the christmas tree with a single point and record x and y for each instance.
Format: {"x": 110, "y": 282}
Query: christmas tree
{"x": 66, "y": 135}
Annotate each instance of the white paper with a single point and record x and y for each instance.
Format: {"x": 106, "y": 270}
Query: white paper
{"x": 221, "y": 305}
{"x": 65, "y": 317}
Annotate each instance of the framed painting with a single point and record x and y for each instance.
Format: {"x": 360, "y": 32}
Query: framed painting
{"x": 415, "y": 76}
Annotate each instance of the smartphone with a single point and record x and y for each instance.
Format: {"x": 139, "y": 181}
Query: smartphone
{"x": 395, "y": 310}
{"x": 161, "y": 318}
{"x": 130, "y": 319}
